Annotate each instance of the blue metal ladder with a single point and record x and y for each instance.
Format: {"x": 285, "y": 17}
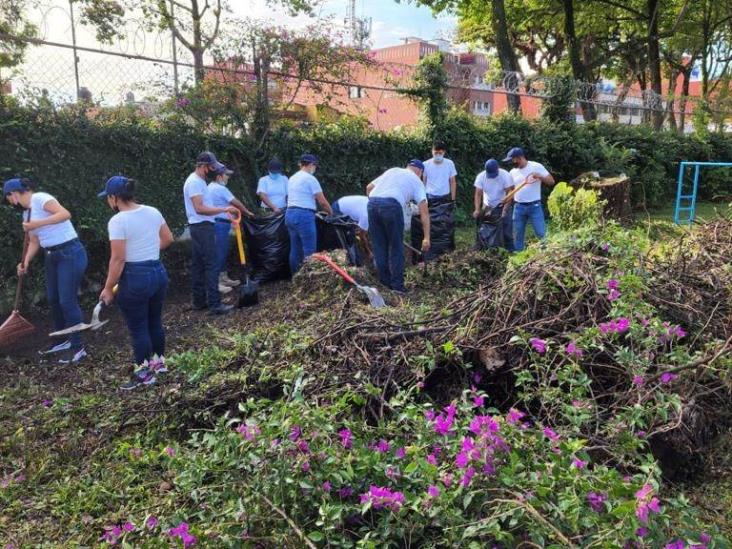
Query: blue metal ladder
{"x": 687, "y": 202}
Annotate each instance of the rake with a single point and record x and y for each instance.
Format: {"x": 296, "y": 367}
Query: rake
{"x": 16, "y": 326}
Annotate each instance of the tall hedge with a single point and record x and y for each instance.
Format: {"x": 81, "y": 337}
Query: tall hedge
{"x": 70, "y": 155}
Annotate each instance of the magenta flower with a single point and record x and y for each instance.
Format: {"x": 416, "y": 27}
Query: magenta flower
{"x": 596, "y": 501}
{"x": 668, "y": 377}
{"x": 478, "y": 401}
{"x": 550, "y": 434}
{"x": 345, "y": 492}
{"x": 613, "y": 295}
{"x": 447, "y": 479}
{"x": 675, "y": 544}
{"x": 641, "y": 532}
{"x": 433, "y": 491}
{"x": 638, "y": 381}
{"x": 383, "y": 498}
{"x": 382, "y": 447}
{"x": 477, "y": 377}
{"x": 182, "y": 102}
{"x": 170, "y": 451}
{"x": 646, "y": 503}
{"x": 111, "y": 535}
{"x": 305, "y": 466}
{"x": 618, "y": 326}
{"x": 443, "y": 422}
{"x": 613, "y": 284}
{"x": 467, "y": 477}
{"x": 514, "y": 416}
{"x": 539, "y": 345}
{"x": 605, "y": 247}
{"x": 327, "y": 486}
{"x": 462, "y": 460}
{"x": 573, "y": 350}
{"x": 151, "y": 522}
{"x": 432, "y": 459}
{"x": 400, "y": 453}
{"x": 181, "y": 532}
{"x": 303, "y": 446}
{"x": 578, "y": 463}
{"x": 47, "y": 403}
{"x": 346, "y": 438}
{"x": 429, "y": 415}
{"x": 128, "y": 527}
{"x": 295, "y": 433}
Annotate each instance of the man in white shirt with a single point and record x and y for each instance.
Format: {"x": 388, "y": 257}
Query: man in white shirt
{"x": 201, "y": 215}
{"x": 272, "y": 188}
{"x": 527, "y": 207}
{"x": 440, "y": 175}
{"x": 388, "y": 194}
{"x": 356, "y": 207}
{"x": 491, "y": 186}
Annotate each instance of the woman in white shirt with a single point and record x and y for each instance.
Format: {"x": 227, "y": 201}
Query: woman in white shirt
{"x": 137, "y": 233}
{"x": 49, "y": 229}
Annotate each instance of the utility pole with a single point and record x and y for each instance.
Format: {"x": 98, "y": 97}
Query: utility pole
{"x": 73, "y": 43}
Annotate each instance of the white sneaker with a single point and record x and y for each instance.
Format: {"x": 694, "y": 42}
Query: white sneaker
{"x": 224, "y": 289}
{"x": 57, "y": 348}
{"x": 72, "y": 356}
{"x": 224, "y": 280}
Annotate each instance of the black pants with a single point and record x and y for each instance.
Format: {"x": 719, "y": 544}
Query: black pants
{"x": 204, "y": 274}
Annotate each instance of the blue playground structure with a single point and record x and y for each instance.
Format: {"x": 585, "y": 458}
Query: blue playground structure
{"x": 691, "y": 198}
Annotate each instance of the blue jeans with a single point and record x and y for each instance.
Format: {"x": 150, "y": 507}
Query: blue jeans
{"x": 222, "y": 229}
{"x": 508, "y": 229}
{"x": 140, "y": 297}
{"x": 204, "y": 276}
{"x": 531, "y": 212}
{"x": 303, "y": 235}
{"x": 65, "y": 267}
{"x": 386, "y": 226}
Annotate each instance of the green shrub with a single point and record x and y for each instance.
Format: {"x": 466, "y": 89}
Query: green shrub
{"x": 571, "y": 210}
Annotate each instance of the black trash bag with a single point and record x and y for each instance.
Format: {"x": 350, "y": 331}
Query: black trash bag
{"x": 490, "y": 235}
{"x": 268, "y": 247}
{"x": 442, "y": 229}
{"x": 338, "y": 232}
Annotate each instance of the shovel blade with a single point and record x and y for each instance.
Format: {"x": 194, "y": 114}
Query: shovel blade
{"x": 248, "y": 294}
{"x": 375, "y": 298}
{"x": 71, "y": 330}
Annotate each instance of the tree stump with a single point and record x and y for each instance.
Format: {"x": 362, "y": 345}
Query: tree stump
{"x": 614, "y": 190}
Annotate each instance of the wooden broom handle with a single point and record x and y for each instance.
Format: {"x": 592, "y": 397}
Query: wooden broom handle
{"x": 19, "y": 287}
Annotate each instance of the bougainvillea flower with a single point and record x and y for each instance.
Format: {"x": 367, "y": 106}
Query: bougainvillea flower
{"x": 295, "y": 433}
{"x": 550, "y": 434}
{"x": 151, "y": 522}
{"x": 382, "y": 446}
{"x": 613, "y": 295}
{"x": 613, "y": 284}
{"x": 596, "y": 501}
{"x": 577, "y": 462}
{"x": 400, "y": 453}
{"x": 514, "y": 416}
{"x": 668, "y": 377}
{"x": 638, "y": 381}
{"x": 433, "y": 491}
{"x": 539, "y": 345}
{"x": 478, "y": 401}
{"x": 128, "y": 527}
{"x": 327, "y": 486}
{"x": 381, "y": 497}
{"x": 346, "y": 438}
{"x": 573, "y": 350}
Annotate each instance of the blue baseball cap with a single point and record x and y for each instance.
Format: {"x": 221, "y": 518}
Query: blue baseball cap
{"x": 115, "y": 185}
{"x": 514, "y": 153}
{"x": 207, "y": 158}
{"x": 416, "y": 163}
{"x": 12, "y": 185}
{"x": 221, "y": 169}
{"x": 308, "y": 159}
{"x": 491, "y": 167}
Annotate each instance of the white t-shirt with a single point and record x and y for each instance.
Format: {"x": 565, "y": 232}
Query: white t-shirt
{"x": 140, "y": 229}
{"x": 275, "y": 187}
{"x": 494, "y": 188}
{"x": 355, "y": 207}
{"x": 49, "y": 235}
{"x": 532, "y": 191}
{"x": 301, "y": 190}
{"x": 219, "y": 195}
{"x": 401, "y": 184}
{"x": 195, "y": 186}
{"x": 437, "y": 176}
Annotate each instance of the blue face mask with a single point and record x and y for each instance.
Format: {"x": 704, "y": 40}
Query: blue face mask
{"x": 274, "y": 174}
{"x": 438, "y": 157}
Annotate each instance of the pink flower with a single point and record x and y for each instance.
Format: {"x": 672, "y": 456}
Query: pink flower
{"x": 550, "y": 434}
{"x": 443, "y": 422}
{"x": 170, "y": 451}
{"x": 539, "y": 345}
{"x": 345, "y": 492}
{"x": 346, "y": 438}
{"x": 573, "y": 350}
{"x": 477, "y": 377}
{"x": 305, "y": 466}
{"x": 613, "y": 295}
{"x": 641, "y": 532}
{"x": 151, "y": 522}
{"x": 128, "y": 527}
{"x": 433, "y": 491}
{"x": 645, "y": 503}
{"x": 429, "y": 415}
{"x": 326, "y": 486}
{"x": 181, "y": 531}
{"x": 613, "y": 284}
{"x": 577, "y": 462}
{"x": 447, "y": 479}
{"x": 382, "y": 447}
{"x": 675, "y": 544}
{"x": 431, "y": 459}
{"x": 47, "y": 403}
{"x": 467, "y": 477}
{"x": 514, "y": 416}
{"x": 668, "y": 377}
{"x": 618, "y": 326}
{"x": 381, "y": 497}
{"x": 596, "y": 501}
{"x": 638, "y": 381}
{"x": 295, "y": 433}
{"x": 478, "y": 401}
{"x": 400, "y": 453}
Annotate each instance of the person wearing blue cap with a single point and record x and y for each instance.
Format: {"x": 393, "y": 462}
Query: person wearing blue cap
{"x": 221, "y": 197}
{"x": 304, "y": 195}
{"x": 137, "y": 233}
{"x": 491, "y": 186}
{"x": 527, "y": 207}
{"x": 65, "y": 260}
{"x": 201, "y": 218}
{"x": 388, "y": 195}
{"x": 272, "y": 188}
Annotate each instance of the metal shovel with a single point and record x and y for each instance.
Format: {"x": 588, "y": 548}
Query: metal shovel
{"x": 372, "y": 293}
{"x": 94, "y": 325}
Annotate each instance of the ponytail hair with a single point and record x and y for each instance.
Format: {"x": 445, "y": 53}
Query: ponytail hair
{"x": 128, "y": 194}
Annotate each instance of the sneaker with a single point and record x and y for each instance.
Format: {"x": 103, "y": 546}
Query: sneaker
{"x": 63, "y": 346}
{"x": 72, "y": 356}
{"x": 224, "y": 289}
{"x": 224, "y": 280}
{"x": 143, "y": 376}
{"x": 221, "y": 310}
{"x": 157, "y": 365}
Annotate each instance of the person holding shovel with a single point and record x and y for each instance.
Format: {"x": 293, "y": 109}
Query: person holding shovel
{"x": 222, "y": 197}
{"x": 491, "y": 186}
{"x": 388, "y": 194}
{"x": 201, "y": 218}
{"x": 304, "y": 195}
{"x": 49, "y": 228}
{"x": 527, "y": 208}
{"x": 137, "y": 233}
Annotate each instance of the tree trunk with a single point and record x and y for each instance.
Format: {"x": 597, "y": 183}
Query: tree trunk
{"x": 197, "y": 44}
{"x": 506, "y": 55}
{"x": 654, "y": 60}
{"x": 685, "y": 94}
{"x": 674, "y": 73}
{"x": 579, "y": 71}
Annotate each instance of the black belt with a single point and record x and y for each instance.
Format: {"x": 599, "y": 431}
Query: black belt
{"x": 529, "y": 203}
{"x": 59, "y": 246}
{"x": 222, "y": 220}
{"x": 200, "y": 223}
{"x": 301, "y": 208}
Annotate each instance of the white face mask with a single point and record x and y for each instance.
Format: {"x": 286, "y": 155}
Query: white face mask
{"x": 438, "y": 157}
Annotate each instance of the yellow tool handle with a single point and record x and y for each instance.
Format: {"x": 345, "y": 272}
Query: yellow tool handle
{"x": 239, "y": 243}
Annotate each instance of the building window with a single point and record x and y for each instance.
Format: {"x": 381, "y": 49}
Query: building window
{"x": 355, "y": 92}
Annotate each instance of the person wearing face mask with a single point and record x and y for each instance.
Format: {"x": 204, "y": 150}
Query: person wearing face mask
{"x": 137, "y": 233}
{"x": 201, "y": 218}
{"x": 272, "y": 188}
{"x": 440, "y": 175}
{"x": 49, "y": 229}
{"x": 527, "y": 207}
{"x": 221, "y": 197}
{"x": 304, "y": 194}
